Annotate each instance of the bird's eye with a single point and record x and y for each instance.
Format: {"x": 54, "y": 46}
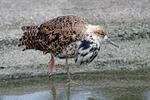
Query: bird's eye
{"x": 102, "y": 34}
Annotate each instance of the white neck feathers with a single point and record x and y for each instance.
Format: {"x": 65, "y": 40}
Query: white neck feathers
{"x": 90, "y": 33}
{"x": 92, "y": 28}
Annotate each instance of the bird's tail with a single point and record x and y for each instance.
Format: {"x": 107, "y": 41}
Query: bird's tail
{"x": 31, "y": 39}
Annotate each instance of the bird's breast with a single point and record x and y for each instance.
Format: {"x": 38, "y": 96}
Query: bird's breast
{"x": 86, "y": 52}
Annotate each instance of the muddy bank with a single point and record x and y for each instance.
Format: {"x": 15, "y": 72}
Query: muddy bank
{"x": 127, "y": 23}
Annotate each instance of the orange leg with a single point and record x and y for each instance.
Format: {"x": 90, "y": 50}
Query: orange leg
{"x": 67, "y": 68}
{"x": 51, "y": 66}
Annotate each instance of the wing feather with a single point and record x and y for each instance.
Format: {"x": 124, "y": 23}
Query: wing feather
{"x": 54, "y": 35}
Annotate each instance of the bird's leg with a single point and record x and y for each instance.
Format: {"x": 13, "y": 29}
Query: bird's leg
{"x": 67, "y": 68}
{"x": 68, "y": 74}
{"x": 51, "y": 66}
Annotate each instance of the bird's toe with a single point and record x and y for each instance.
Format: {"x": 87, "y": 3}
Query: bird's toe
{"x": 50, "y": 76}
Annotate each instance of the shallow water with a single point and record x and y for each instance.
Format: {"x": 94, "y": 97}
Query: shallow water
{"x": 117, "y": 85}
{"x": 127, "y": 23}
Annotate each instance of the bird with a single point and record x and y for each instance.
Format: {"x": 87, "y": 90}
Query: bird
{"x": 65, "y": 37}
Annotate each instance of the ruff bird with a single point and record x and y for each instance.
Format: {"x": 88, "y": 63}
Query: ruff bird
{"x": 65, "y": 37}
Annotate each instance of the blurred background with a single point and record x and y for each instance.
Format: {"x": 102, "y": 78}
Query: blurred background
{"x": 127, "y": 23}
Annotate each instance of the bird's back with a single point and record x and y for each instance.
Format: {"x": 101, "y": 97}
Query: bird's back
{"x": 55, "y": 35}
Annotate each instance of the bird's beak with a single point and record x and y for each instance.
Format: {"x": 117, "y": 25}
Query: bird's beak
{"x": 110, "y": 42}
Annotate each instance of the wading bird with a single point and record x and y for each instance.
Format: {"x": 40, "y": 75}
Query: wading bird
{"x": 65, "y": 37}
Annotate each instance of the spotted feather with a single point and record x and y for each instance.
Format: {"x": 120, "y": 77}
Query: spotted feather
{"x": 55, "y": 35}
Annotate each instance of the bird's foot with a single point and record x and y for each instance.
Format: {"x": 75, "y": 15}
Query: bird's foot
{"x": 70, "y": 81}
{"x": 50, "y": 76}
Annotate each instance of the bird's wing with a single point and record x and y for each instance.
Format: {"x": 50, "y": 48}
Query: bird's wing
{"x": 56, "y": 34}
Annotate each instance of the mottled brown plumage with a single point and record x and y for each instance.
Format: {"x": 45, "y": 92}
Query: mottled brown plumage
{"x": 54, "y": 35}
{"x": 65, "y": 37}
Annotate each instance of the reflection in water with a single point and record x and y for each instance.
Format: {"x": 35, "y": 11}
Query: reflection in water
{"x": 52, "y": 87}
{"x": 60, "y": 94}
{"x": 148, "y": 95}
{"x": 68, "y": 92}
{"x": 53, "y": 90}
{"x": 44, "y": 95}
{"x": 75, "y": 95}
{"x": 89, "y": 91}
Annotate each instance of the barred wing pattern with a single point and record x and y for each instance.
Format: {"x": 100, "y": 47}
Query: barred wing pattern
{"x": 55, "y": 35}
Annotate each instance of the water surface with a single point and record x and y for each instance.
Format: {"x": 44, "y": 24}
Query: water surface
{"x": 109, "y": 85}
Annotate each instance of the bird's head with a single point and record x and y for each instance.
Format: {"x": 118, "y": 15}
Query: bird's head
{"x": 100, "y": 34}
